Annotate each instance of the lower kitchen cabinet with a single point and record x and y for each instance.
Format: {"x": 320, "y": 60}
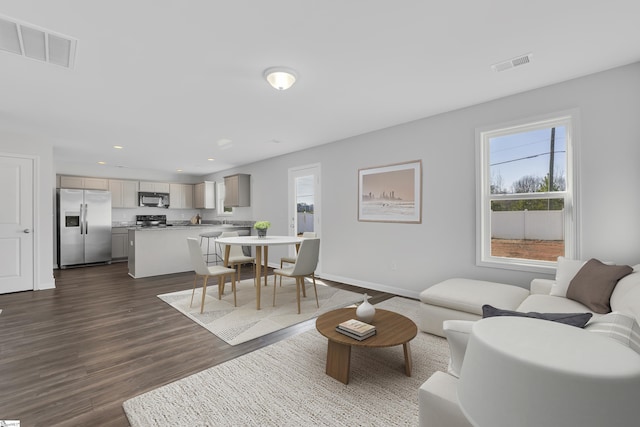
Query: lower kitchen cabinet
{"x": 119, "y": 243}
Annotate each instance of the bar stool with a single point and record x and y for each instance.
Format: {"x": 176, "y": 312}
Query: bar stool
{"x": 211, "y": 235}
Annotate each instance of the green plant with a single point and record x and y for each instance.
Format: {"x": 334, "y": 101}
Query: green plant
{"x": 262, "y": 225}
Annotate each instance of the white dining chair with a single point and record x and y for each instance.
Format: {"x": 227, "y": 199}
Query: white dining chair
{"x": 292, "y": 259}
{"x": 236, "y": 256}
{"x": 203, "y": 270}
{"x": 305, "y": 265}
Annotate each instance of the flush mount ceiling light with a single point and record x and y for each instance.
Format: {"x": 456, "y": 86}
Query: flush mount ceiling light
{"x": 280, "y": 78}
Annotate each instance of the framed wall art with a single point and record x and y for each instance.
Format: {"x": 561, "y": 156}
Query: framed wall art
{"x": 391, "y": 193}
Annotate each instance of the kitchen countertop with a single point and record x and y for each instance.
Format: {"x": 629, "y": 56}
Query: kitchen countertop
{"x": 184, "y": 227}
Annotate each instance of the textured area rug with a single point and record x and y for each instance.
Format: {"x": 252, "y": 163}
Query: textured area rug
{"x": 284, "y": 384}
{"x": 236, "y": 325}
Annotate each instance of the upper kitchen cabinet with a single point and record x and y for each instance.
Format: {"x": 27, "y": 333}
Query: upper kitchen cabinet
{"x": 84, "y": 182}
{"x": 124, "y": 194}
{"x": 205, "y": 195}
{"x": 181, "y": 196}
{"x": 237, "y": 190}
{"x": 154, "y": 187}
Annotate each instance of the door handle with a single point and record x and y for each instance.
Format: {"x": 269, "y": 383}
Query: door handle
{"x": 81, "y": 219}
{"x": 26, "y": 231}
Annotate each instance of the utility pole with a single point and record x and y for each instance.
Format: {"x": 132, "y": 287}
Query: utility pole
{"x": 552, "y": 150}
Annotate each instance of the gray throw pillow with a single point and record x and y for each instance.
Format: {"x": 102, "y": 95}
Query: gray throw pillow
{"x": 573, "y": 319}
{"x": 593, "y": 284}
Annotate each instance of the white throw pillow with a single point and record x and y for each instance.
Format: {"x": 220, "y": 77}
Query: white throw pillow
{"x": 457, "y": 333}
{"x": 625, "y": 285}
{"x": 566, "y": 269}
{"x": 617, "y": 326}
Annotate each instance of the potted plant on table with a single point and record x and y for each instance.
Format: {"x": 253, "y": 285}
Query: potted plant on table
{"x": 261, "y": 227}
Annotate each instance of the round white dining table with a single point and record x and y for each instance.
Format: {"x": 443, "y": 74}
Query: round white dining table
{"x": 262, "y": 252}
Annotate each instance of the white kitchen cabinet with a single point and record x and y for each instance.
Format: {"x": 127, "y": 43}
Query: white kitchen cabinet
{"x": 237, "y": 192}
{"x": 67, "y": 181}
{"x": 124, "y": 194}
{"x": 154, "y": 187}
{"x": 119, "y": 243}
{"x": 180, "y": 196}
{"x": 205, "y": 195}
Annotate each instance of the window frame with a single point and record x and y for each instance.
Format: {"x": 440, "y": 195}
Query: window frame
{"x": 569, "y": 119}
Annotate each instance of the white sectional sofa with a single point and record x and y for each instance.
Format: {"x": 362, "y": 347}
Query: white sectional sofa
{"x": 451, "y": 308}
{"x": 462, "y": 299}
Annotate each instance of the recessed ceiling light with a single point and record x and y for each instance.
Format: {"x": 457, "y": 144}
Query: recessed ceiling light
{"x": 281, "y": 78}
{"x": 102, "y": 163}
{"x": 211, "y": 159}
{"x": 178, "y": 170}
{"x": 118, "y": 147}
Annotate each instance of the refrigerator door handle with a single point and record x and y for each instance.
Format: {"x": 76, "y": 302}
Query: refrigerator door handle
{"x": 81, "y": 219}
{"x": 86, "y": 222}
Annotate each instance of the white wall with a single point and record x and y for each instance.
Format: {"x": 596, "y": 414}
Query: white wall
{"x": 443, "y": 246}
{"x": 45, "y": 197}
{"x": 106, "y": 171}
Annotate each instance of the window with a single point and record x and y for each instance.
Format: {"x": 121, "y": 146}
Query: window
{"x": 222, "y": 209}
{"x": 526, "y": 194}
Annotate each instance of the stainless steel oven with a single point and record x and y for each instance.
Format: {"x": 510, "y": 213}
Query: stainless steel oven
{"x": 145, "y": 221}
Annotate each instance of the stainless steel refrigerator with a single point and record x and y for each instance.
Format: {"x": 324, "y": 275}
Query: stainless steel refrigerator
{"x": 84, "y": 227}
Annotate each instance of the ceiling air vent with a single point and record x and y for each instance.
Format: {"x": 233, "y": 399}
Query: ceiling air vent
{"x": 36, "y": 43}
{"x": 512, "y": 63}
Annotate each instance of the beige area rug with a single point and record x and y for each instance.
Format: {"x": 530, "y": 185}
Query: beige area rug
{"x": 284, "y": 384}
{"x": 236, "y": 325}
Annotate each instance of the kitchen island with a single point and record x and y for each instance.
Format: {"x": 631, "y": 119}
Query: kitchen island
{"x": 154, "y": 251}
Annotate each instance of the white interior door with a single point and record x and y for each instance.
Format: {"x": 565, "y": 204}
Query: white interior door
{"x": 304, "y": 201}
{"x": 16, "y": 224}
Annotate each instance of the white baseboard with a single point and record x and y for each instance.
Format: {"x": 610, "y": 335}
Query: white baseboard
{"x": 46, "y": 285}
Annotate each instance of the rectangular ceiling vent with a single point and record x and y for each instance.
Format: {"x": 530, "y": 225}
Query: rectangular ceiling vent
{"x": 37, "y": 43}
{"x": 512, "y": 63}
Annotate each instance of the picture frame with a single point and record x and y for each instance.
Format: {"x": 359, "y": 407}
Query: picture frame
{"x": 391, "y": 193}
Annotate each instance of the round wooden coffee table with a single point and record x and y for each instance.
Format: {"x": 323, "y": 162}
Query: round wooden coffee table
{"x": 391, "y": 329}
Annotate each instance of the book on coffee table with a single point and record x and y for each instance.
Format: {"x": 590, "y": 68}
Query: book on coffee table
{"x": 356, "y": 336}
{"x": 357, "y": 327}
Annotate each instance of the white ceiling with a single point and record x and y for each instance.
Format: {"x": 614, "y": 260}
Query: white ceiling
{"x": 169, "y": 79}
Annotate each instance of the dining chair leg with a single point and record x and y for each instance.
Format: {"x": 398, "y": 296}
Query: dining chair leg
{"x": 274, "y": 288}
{"x": 313, "y": 276}
{"x": 280, "y": 276}
{"x": 298, "y": 292}
{"x": 233, "y": 285}
{"x": 204, "y": 293}
{"x": 304, "y": 287}
{"x": 194, "y": 290}
{"x": 220, "y": 285}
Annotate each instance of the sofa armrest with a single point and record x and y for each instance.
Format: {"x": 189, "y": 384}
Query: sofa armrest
{"x": 438, "y": 402}
{"x": 457, "y": 333}
{"x": 541, "y": 286}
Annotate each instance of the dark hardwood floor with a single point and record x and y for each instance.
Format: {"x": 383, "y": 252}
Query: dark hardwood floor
{"x": 70, "y": 356}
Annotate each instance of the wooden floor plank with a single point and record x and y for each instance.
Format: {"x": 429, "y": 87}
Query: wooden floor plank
{"x": 70, "y": 356}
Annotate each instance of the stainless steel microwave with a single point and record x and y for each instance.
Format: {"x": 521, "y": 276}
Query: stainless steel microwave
{"x": 157, "y": 200}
